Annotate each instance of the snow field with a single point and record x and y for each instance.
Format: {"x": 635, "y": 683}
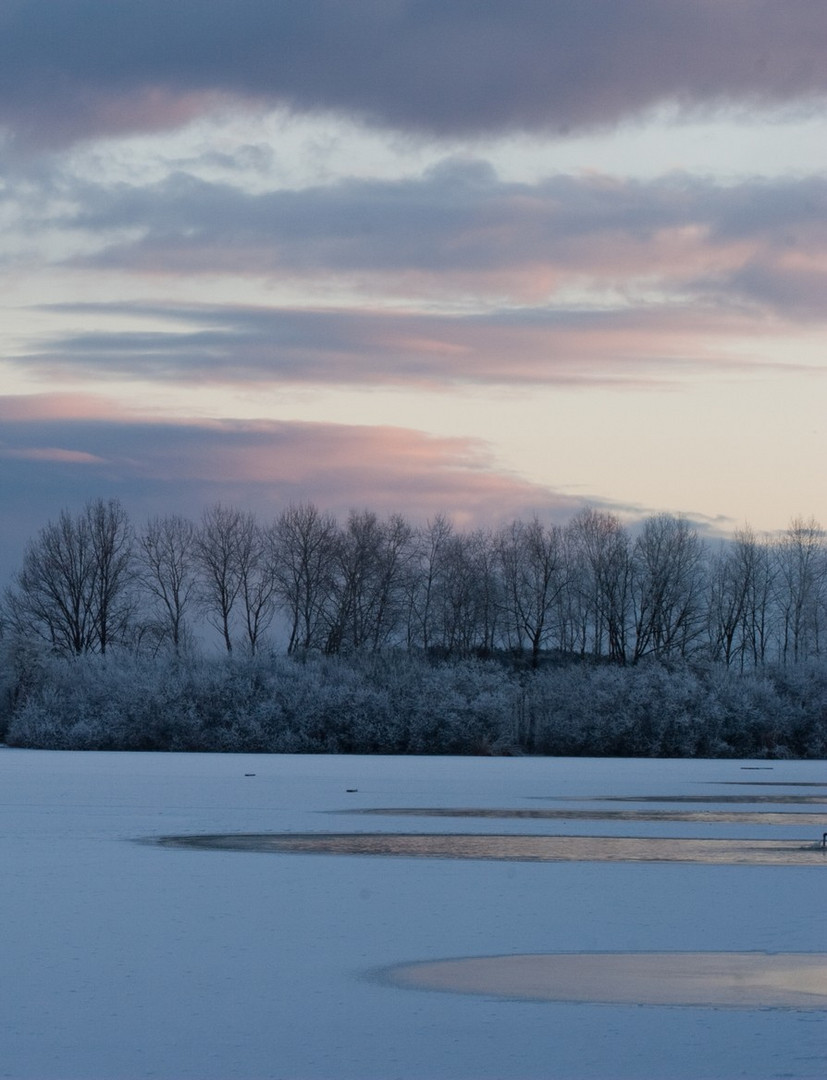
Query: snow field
{"x": 125, "y": 960}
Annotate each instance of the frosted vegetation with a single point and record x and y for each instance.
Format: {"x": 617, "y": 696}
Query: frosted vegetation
{"x": 373, "y": 635}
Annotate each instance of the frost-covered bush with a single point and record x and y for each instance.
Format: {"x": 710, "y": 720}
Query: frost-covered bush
{"x": 658, "y": 710}
{"x": 319, "y": 704}
{"x": 461, "y": 708}
{"x": 608, "y": 710}
{"x": 116, "y": 702}
{"x": 393, "y": 704}
{"x": 403, "y": 704}
{"x": 781, "y": 713}
{"x": 23, "y": 665}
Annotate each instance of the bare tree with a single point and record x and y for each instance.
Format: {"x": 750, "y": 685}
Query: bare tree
{"x": 800, "y": 588}
{"x": 395, "y": 556}
{"x": 73, "y": 589}
{"x": 740, "y": 593}
{"x": 217, "y": 549}
{"x": 113, "y": 553}
{"x": 356, "y": 555}
{"x": 371, "y": 566}
{"x": 489, "y": 593}
{"x": 427, "y": 561}
{"x": 467, "y": 595}
{"x": 728, "y": 590}
{"x": 534, "y": 576}
{"x": 601, "y": 576}
{"x": 302, "y": 543}
{"x": 167, "y": 572}
{"x": 257, "y": 582}
{"x": 759, "y": 617}
{"x": 669, "y": 569}
{"x": 53, "y": 594}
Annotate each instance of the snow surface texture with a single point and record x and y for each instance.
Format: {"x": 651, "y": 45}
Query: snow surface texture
{"x": 132, "y": 960}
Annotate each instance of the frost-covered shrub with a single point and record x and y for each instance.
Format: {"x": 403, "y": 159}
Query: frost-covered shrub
{"x": 656, "y": 710}
{"x": 458, "y": 708}
{"x": 22, "y": 668}
{"x": 399, "y": 703}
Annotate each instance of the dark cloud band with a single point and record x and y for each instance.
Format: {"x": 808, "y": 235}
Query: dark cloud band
{"x": 85, "y": 67}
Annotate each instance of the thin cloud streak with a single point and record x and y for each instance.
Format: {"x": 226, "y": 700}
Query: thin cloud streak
{"x": 235, "y": 346}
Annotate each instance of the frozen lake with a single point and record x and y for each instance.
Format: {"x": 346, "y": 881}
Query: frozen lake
{"x": 134, "y": 960}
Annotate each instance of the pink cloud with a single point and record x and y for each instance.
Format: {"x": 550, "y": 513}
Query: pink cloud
{"x": 236, "y": 346}
{"x": 86, "y": 114}
{"x": 153, "y": 108}
{"x": 190, "y": 463}
{"x": 53, "y": 454}
{"x": 340, "y": 466}
{"x": 70, "y": 406}
{"x": 461, "y": 231}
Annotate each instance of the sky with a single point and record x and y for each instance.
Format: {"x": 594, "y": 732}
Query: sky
{"x": 460, "y": 257}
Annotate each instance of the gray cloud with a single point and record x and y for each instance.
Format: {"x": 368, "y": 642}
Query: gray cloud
{"x": 461, "y": 227}
{"x": 689, "y": 265}
{"x": 86, "y": 67}
{"x": 237, "y": 345}
{"x": 458, "y": 216}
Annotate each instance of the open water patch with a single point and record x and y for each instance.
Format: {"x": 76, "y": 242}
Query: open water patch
{"x": 771, "y": 783}
{"x": 711, "y": 817}
{"x": 793, "y": 800}
{"x": 699, "y": 979}
{"x": 523, "y": 848}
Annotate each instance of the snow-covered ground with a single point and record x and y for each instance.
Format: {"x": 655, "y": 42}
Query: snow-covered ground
{"x": 128, "y": 960}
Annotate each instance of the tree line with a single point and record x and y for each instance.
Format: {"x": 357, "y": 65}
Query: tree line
{"x": 93, "y": 581}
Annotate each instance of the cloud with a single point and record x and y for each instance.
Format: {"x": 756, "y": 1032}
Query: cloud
{"x": 20, "y": 409}
{"x": 94, "y": 67}
{"x": 463, "y": 278}
{"x": 237, "y": 345}
{"x": 459, "y": 231}
{"x": 159, "y": 467}
{"x": 54, "y": 454}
